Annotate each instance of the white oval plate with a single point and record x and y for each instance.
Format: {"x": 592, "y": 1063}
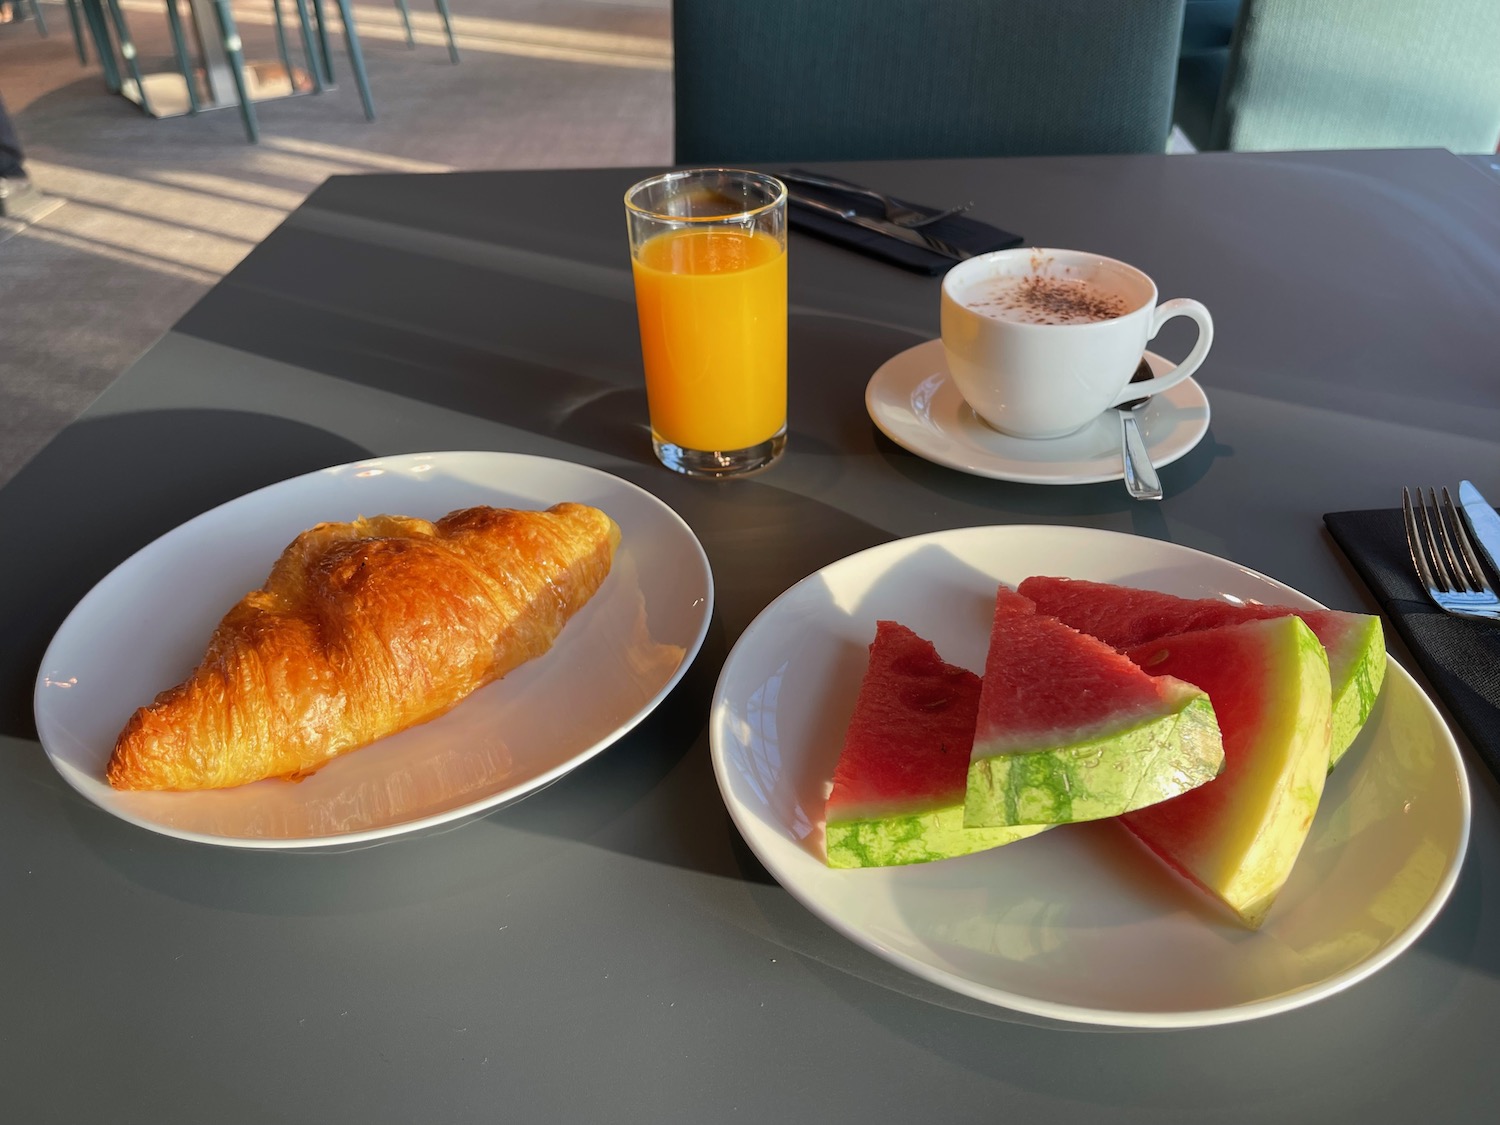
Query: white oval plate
{"x": 915, "y": 403}
{"x": 145, "y": 626}
{"x": 1079, "y": 923}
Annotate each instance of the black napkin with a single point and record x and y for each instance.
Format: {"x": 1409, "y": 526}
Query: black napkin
{"x": 1460, "y": 656}
{"x": 960, "y": 230}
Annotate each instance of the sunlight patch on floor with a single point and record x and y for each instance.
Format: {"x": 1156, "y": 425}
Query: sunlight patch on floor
{"x": 165, "y": 204}
{"x": 353, "y": 156}
{"x": 473, "y": 33}
{"x": 230, "y": 188}
{"x": 186, "y": 229}
{"x": 296, "y": 167}
{"x": 156, "y": 263}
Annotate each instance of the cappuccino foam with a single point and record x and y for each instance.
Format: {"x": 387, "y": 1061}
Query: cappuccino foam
{"x": 1034, "y": 299}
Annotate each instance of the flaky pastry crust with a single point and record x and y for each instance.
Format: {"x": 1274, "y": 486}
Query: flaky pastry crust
{"x": 364, "y": 629}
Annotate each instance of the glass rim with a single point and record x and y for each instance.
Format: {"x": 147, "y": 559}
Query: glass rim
{"x": 763, "y": 178}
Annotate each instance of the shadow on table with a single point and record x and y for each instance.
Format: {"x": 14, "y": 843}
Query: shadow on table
{"x": 1391, "y": 1016}
{"x": 1054, "y": 504}
{"x": 1372, "y": 1020}
{"x": 110, "y": 485}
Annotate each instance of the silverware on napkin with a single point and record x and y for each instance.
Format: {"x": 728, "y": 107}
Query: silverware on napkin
{"x": 1443, "y": 557}
{"x": 1482, "y": 522}
{"x": 880, "y": 226}
{"x": 896, "y": 211}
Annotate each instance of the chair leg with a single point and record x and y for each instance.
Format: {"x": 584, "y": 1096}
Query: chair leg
{"x": 184, "y": 58}
{"x": 411, "y": 41}
{"x": 41, "y": 20}
{"x": 77, "y": 26}
{"x": 231, "y": 39}
{"x": 323, "y": 48}
{"x": 93, "y": 15}
{"x": 315, "y": 60}
{"x": 281, "y": 47}
{"x": 127, "y": 50}
{"x": 356, "y": 57}
{"x": 442, "y": 7}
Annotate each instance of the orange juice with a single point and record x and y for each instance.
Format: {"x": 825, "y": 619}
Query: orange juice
{"x": 712, "y": 307}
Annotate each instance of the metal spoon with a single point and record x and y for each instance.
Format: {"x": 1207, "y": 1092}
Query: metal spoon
{"x": 1141, "y": 480}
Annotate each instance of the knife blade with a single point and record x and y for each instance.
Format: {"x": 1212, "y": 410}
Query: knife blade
{"x": 880, "y": 226}
{"x": 1482, "y": 522}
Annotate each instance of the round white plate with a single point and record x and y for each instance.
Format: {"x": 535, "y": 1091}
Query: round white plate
{"x": 146, "y": 625}
{"x": 1079, "y": 923}
{"x": 915, "y": 404}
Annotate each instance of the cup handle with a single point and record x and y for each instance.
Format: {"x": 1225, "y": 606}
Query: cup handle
{"x": 1180, "y": 306}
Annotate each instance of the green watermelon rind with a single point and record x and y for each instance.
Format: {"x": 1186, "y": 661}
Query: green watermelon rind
{"x": 1099, "y": 776}
{"x": 918, "y": 837}
{"x": 1357, "y": 661}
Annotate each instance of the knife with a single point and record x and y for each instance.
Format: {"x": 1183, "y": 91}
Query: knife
{"x": 1482, "y": 522}
{"x": 880, "y": 226}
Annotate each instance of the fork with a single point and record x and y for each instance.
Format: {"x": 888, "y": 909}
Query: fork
{"x": 1445, "y": 559}
{"x": 895, "y": 211}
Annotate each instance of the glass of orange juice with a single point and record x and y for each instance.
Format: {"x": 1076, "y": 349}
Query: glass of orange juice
{"x": 708, "y": 250}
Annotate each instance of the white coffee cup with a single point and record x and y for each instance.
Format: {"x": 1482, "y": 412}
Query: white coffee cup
{"x": 1041, "y": 342}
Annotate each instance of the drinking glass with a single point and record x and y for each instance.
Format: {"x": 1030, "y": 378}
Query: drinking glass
{"x": 708, "y": 251}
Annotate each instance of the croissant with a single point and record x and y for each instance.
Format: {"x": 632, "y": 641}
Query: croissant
{"x": 364, "y": 629}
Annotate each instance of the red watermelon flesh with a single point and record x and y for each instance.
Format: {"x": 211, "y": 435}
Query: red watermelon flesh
{"x": 898, "y": 789}
{"x": 1069, "y": 729}
{"x": 1124, "y": 617}
{"x": 1238, "y": 836}
{"x": 1042, "y": 674}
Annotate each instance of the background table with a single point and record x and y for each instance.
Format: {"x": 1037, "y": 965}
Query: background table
{"x": 164, "y": 93}
{"x": 609, "y": 949}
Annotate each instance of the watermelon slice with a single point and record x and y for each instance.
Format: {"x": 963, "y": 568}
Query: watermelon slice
{"x": 898, "y": 790}
{"x": 1238, "y": 836}
{"x": 1069, "y": 729}
{"x": 1124, "y": 617}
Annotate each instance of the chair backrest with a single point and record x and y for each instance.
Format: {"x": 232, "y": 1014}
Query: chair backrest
{"x": 1306, "y": 74}
{"x": 789, "y": 80}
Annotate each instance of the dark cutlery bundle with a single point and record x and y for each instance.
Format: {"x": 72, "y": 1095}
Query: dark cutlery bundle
{"x": 919, "y": 238}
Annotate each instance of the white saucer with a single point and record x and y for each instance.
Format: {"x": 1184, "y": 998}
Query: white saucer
{"x": 915, "y": 404}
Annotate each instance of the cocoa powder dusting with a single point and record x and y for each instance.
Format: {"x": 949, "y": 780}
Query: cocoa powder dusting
{"x": 1047, "y": 300}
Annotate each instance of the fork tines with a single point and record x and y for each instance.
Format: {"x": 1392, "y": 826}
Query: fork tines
{"x": 1444, "y": 557}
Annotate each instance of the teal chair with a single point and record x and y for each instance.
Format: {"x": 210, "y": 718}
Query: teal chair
{"x": 443, "y": 14}
{"x": 324, "y": 53}
{"x": 115, "y": 15}
{"x": 31, "y": 7}
{"x": 315, "y": 44}
{"x": 1207, "y": 31}
{"x": 96, "y": 26}
{"x": 41, "y": 20}
{"x": 74, "y": 21}
{"x": 1335, "y": 74}
{"x": 792, "y": 80}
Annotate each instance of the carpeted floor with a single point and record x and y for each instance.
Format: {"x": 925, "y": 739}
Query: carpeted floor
{"x": 151, "y": 213}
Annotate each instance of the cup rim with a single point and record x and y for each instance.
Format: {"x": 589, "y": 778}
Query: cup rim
{"x": 1017, "y": 251}
{"x": 763, "y": 178}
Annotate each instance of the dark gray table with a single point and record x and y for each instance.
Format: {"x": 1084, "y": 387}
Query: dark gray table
{"x": 609, "y": 950}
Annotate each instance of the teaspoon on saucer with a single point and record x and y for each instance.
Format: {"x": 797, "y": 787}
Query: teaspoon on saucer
{"x": 1141, "y": 480}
